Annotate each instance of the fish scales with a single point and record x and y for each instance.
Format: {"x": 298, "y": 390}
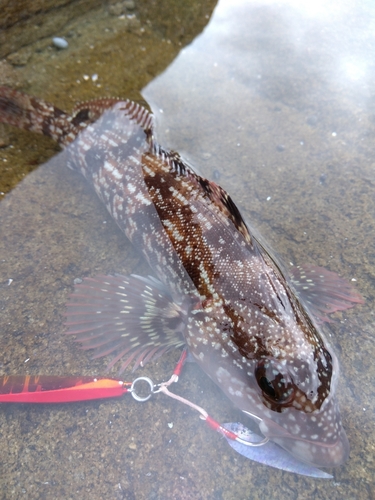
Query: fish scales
{"x": 217, "y": 289}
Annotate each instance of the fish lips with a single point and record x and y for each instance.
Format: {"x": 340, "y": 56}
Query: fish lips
{"x": 316, "y": 451}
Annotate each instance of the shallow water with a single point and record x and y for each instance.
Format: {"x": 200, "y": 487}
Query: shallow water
{"x": 275, "y": 103}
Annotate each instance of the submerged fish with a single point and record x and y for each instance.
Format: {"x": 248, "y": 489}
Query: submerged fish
{"x": 217, "y": 290}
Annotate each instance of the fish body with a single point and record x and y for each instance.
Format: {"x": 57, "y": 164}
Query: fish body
{"x": 216, "y": 288}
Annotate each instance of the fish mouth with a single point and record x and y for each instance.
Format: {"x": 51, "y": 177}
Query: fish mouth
{"x": 318, "y": 452}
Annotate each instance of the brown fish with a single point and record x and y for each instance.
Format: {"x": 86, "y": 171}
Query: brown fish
{"x": 216, "y": 289}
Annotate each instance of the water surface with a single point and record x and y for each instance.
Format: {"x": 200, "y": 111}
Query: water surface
{"x": 274, "y": 101}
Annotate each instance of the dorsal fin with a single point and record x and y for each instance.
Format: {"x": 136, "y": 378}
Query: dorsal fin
{"x": 226, "y": 205}
{"x": 217, "y": 195}
{"x": 90, "y": 111}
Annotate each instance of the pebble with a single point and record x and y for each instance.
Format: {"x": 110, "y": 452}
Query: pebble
{"x": 60, "y": 43}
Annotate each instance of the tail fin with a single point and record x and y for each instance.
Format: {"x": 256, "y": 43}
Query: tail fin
{"x": 30, "y": 113}
{"x": 36, "y": 115}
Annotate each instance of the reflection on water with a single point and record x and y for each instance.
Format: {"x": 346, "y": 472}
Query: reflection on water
{"x": 275, "y": 102}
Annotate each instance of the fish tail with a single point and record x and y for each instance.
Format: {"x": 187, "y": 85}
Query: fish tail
{"x": 30, "y": 113}
{"x": 34, "y": 114}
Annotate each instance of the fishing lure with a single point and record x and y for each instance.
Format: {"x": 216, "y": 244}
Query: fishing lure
{"x": 59, "y": 389}
{"x": 56, "y": 389}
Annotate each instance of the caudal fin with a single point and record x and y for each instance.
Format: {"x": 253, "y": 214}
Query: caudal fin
{"x": 30, "y": 113}
{"x": 34, "y": 114}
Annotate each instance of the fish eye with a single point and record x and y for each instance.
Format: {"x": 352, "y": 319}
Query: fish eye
{"x": 274, "y": 381}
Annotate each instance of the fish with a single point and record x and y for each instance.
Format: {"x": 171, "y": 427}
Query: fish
{"x": 216, "y": 289}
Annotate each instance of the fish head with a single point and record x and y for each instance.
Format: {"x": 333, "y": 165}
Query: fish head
{"x": 300, "y": 408}
{"x": 280, "y": 370}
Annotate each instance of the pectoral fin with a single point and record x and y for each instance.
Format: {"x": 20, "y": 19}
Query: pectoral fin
{"x": 323, "y": 291}
{"x": 132, "y": 318}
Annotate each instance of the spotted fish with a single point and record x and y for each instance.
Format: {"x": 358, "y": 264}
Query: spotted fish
{"x": 216, "y": 289}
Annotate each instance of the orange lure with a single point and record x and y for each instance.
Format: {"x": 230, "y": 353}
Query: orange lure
{"x": 56, "y": 389}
